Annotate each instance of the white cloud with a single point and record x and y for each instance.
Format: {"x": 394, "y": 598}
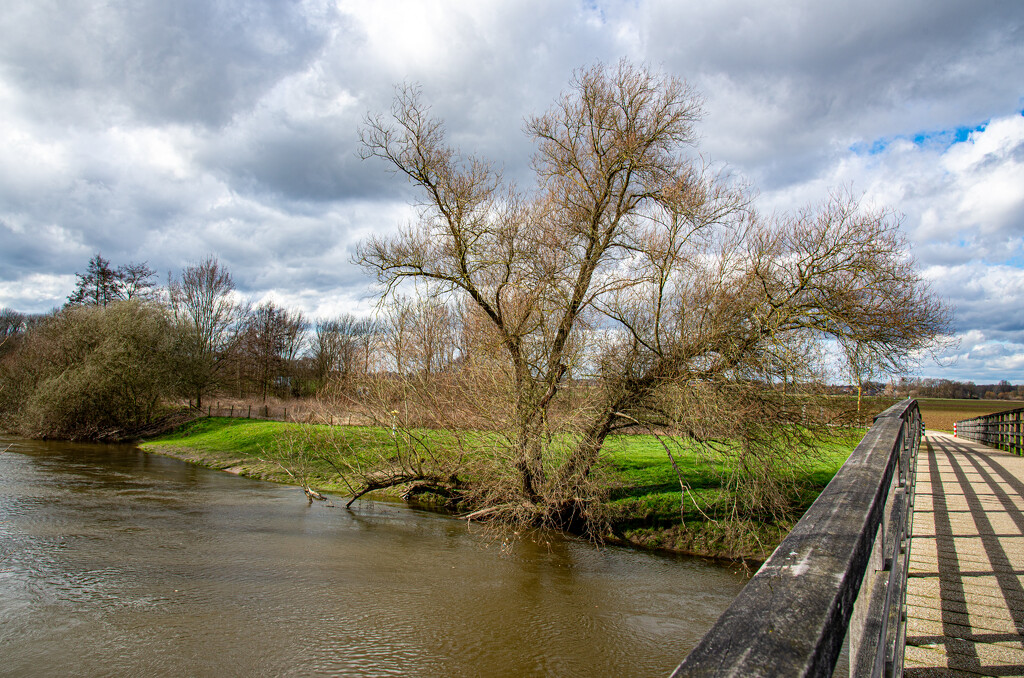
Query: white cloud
{"x": 982, "y": 360}
{"x": 961, "y": 203}
{"x": 989, "y": 337}
{"x": 36, "y": 291}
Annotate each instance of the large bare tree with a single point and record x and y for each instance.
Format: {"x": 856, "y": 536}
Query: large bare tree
{"x": 630, "y": 264}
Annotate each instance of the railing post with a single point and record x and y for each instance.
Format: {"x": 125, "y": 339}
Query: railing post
{"x": 1017, "y": 434}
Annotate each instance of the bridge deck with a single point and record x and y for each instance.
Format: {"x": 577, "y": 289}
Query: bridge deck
{"x": 965, "y": 596}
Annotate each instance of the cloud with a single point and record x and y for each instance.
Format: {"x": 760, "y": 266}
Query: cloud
{"x": 36, "y": 291}
{"x": 790, "y": 86}
{"x": 985, "y": 298}
{"x": 189, "y": 61}
{"x": 978, "y": 358}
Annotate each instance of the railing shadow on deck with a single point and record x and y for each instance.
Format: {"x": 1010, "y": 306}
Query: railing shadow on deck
{"x": 838, "y": 579}
{"x": 959, "y": 512}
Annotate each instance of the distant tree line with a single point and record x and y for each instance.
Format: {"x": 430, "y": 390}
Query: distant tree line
{"x": 918, "y": 387}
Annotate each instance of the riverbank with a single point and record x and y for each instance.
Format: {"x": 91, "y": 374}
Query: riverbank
{"x": 643, "y": 508}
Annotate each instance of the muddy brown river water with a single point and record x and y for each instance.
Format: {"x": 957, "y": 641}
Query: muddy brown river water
{"x": 114, "y": 562}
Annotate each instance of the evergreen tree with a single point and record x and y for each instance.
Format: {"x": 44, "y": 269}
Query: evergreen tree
{"x": 98, "y": 286}
{"x": 101, "y": 284}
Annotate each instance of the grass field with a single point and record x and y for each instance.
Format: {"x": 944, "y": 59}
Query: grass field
{"x": 644, "y": 503}
{"x": 249, "y": 446}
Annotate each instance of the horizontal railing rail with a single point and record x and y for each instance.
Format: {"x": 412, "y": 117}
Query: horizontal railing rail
{"x": 1003, "y": 430}
{"x": 838, "y": 579}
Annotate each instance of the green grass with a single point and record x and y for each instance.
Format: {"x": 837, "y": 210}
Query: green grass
{"x": 244, "y": 446}
{"x": 646, "y": 496}
{"x": 250, "y": 447}
{"x": 245, "y": 437}
{"x": 645, "y": 486}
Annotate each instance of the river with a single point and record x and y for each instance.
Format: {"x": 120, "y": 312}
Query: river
{"x": 115, "y": 562}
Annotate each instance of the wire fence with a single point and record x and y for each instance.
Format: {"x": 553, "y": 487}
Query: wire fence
{"x": 300, "y": 415}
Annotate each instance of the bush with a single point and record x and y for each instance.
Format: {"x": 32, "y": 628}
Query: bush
{"x": 90, "y": 370}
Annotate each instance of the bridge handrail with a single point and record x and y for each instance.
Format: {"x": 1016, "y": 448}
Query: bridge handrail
{"x": 1003, "y": 430}
{"x": 842, "y": 568}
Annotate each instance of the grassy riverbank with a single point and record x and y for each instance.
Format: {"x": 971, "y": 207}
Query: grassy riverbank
{"x": 644, "y": 502}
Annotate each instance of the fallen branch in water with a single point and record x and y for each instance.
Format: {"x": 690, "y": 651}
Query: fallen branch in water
{"x": 311, "y": 494}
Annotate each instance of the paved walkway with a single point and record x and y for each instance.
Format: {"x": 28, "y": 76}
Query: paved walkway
{"x": 965, "y": 597}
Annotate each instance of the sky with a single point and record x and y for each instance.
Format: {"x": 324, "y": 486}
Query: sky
{"x": 165, "y": 132}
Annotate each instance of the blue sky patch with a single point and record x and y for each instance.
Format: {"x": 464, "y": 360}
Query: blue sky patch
{"x": 1016, "y": 261}
{"x": 938, "y": 139}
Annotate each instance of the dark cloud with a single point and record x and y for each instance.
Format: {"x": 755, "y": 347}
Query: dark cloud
{"x": 304, "y": 161}
{"x": 985, "y": 298}
{"x": 187, "y": 61}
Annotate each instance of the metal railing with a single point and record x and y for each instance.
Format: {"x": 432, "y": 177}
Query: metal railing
{"x": 1002, "y": 430}
{"x": 838, "y": 579}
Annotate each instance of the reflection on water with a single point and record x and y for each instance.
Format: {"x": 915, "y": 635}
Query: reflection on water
{"x": 115, "y": 562}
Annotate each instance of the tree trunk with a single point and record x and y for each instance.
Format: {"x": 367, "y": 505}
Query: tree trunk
{"x": 586, "y": 453}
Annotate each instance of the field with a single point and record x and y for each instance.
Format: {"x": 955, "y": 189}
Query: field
{"x": 939, "y": 414}
{"x": 645, "y": 499}
{"x": 644, "y": 504}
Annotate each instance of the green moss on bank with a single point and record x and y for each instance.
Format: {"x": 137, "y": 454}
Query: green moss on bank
{"x": 644, "y": 503}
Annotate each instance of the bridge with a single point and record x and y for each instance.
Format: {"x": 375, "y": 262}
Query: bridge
{"x": 911, "y": 562}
